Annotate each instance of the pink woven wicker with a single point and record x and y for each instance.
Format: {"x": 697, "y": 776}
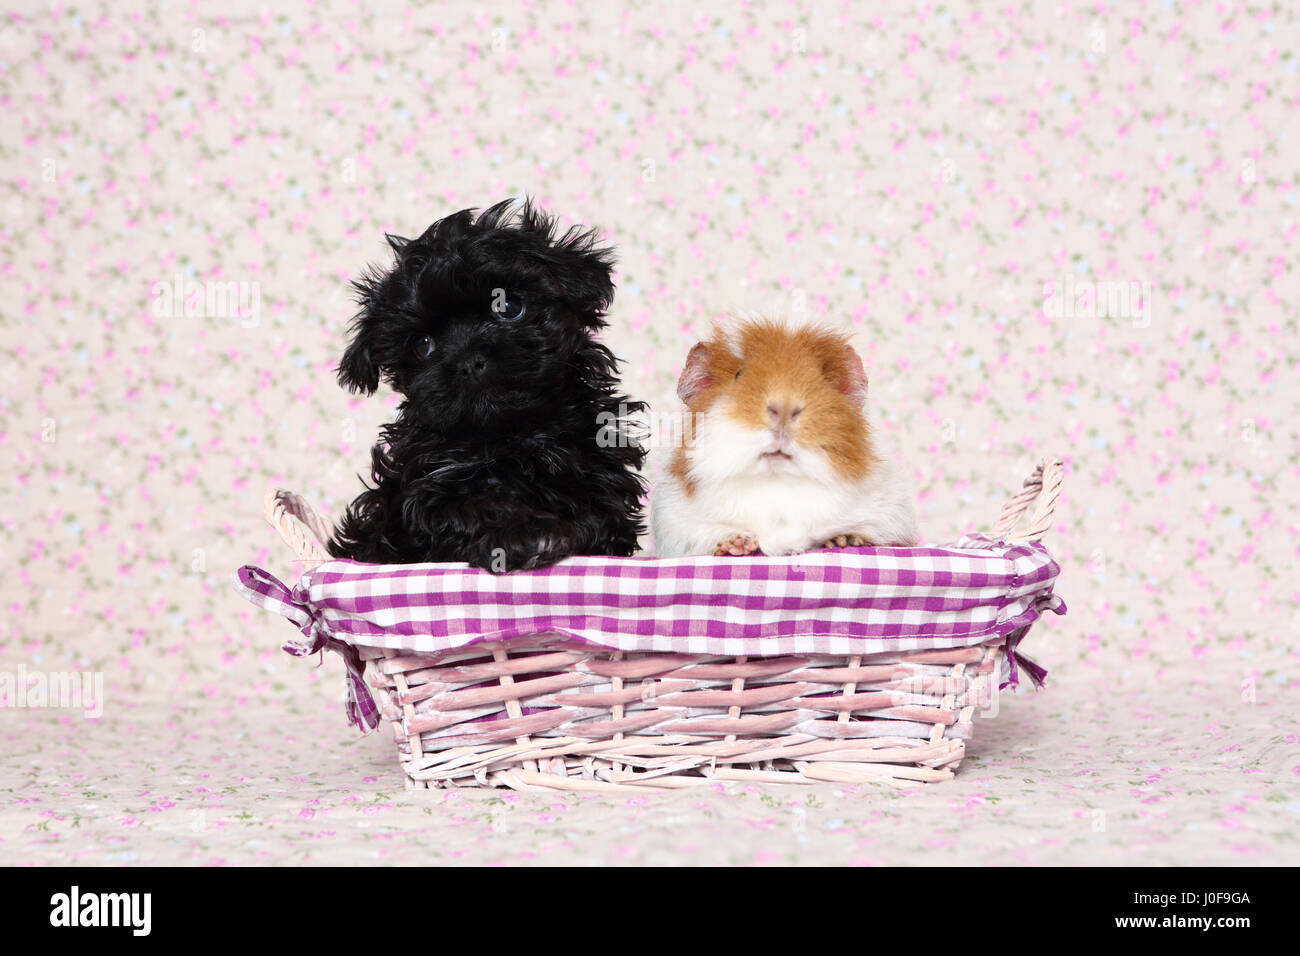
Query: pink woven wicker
{"x": 862, "y": 727}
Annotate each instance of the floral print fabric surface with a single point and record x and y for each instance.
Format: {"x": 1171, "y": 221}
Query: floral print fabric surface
{"x": 1105, "y": 770}
{"x": 1053, "y": 227}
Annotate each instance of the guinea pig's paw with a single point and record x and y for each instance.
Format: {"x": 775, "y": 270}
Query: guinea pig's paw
{"x": 737, "y": 545}
{"x": 846, "y": 541}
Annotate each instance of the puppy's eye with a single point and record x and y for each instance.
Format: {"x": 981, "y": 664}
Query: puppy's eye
{"x": 506, "y": 305}
{"x": 424, "y": 347}
{"x": 739, "y": 370}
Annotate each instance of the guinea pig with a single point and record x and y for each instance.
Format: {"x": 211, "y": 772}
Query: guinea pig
{"x": 778, "y": 454}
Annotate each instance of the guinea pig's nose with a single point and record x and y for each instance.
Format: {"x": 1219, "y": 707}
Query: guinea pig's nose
{"x": 473, "y": 365}
{"x": 783, "y": 413}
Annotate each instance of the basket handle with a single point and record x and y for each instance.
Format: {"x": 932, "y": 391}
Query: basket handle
{"x": 1037, "y": 498}
{"x": 300, "y": 527}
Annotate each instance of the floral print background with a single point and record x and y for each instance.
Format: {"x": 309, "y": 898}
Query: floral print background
{"x": 961, "y": 183}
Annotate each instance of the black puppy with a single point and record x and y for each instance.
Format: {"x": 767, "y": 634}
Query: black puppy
{"x": 506, "y": 451}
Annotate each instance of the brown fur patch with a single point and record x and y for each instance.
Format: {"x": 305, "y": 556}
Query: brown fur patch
{"x": 764, "y": 362}
{"x": 678, "y": 468}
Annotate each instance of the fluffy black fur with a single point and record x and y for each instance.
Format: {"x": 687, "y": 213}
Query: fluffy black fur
{"x": 494, "y": 457}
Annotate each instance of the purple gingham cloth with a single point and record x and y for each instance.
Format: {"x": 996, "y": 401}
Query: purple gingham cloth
{"x": 842, "y": 601}
{"x": 266, "y": 591}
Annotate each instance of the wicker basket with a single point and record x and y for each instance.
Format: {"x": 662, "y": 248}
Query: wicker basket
{"x": 896, "y": 718}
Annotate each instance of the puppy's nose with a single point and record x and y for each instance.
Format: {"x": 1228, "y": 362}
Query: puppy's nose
{"x": 473, "y": 365}
{"x": 781, "y": 413}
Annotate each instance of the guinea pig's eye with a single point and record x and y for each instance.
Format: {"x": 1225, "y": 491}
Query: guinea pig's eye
{"x": 739, "y": 370}
{"x": 424, "y": 346}
{"x": 506, "y": 305}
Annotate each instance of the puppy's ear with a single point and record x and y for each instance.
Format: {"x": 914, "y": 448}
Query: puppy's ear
{"x": 586, "y": 273}
{"x": 357, "y": 369}
{"x": 579, "y": 268}
{"x": 396, "y": 243}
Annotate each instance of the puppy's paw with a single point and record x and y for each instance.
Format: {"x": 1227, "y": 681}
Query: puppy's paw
{"x": 737, "y": 545}
{"x": 545, "y": 551}
{"x": 846, "y": 541}
{"x": 503, "y": 554}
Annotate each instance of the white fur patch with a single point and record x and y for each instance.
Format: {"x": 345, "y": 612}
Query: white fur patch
{"x": 789, "y": 506}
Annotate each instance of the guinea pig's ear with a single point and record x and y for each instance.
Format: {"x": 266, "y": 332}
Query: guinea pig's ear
{"x": 855, "y": 377}
{"x": 695, "y": 376}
